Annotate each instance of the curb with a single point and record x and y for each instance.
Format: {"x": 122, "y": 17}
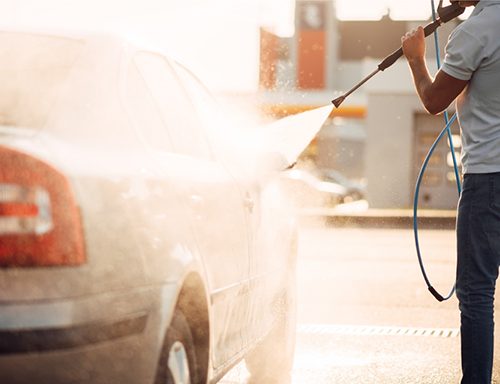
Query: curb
{"x": 378, "y": 218}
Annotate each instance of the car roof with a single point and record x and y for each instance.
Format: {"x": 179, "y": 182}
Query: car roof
{"x": 98, "y": 38}
{"x": 70, "y": 33}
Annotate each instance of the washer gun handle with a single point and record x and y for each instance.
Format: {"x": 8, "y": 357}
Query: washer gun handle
{"x": 445, "y": 14}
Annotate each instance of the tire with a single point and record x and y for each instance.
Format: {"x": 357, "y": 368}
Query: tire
{"x": 273, "y": 358}
{"x": 177, "y": 363}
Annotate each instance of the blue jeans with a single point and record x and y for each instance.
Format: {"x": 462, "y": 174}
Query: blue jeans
{"x": 478, "y": 245}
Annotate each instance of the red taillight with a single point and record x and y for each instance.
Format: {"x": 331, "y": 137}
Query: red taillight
{"x": 39, "y": 222}
{"x": 18, "y": 209}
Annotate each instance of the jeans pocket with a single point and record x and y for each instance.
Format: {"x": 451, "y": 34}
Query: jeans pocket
{"x": 495, "y": 191}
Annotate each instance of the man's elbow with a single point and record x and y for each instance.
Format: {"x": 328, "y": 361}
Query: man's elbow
{"x": 434, "y": 109}
{"x": 436, "y": 98}
{"x": 434, "y": 105}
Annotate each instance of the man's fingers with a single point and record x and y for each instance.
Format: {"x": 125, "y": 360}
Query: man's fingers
{"x": 408, "y": 35}
{"x": 414, "y": 33}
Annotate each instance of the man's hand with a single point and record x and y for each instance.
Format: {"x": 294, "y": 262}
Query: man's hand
{"x": 436, "y": 94}
{"x": 413, "y": 44}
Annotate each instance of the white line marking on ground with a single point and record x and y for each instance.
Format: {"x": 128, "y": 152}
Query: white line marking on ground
{"x": 376, "y": 331}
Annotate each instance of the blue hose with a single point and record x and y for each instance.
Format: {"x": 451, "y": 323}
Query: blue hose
{"x": 415, "y": 204}
{"x": 421, "y": 174}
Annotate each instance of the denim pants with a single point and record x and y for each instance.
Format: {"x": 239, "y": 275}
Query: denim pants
{"x": 478, "y": 246}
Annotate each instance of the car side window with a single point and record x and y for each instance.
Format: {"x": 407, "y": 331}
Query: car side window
{"x": 177, "y": 111}
{"x": 208, "y": 105}
{"x": 228, "y": 138}
{"x": 145, "y": 113}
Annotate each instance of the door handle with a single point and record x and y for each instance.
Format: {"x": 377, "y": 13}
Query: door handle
{"x": 249, "y": 203}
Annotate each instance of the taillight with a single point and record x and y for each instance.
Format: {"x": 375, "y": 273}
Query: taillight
{"x": 39, "y": 222}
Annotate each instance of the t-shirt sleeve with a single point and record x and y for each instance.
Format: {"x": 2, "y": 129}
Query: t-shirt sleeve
{"x": 464, "y": 53}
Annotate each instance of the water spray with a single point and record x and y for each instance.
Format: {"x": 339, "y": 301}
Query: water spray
{"x": 446, "y": 14}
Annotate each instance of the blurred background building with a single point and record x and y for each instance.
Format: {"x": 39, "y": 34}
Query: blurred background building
{"x": 238, "y": 48}
{"x": 381, "y": 133}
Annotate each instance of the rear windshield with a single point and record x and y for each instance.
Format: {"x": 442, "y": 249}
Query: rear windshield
{"x": 33, "y": 70}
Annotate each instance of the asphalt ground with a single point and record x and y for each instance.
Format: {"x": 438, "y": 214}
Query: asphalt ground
{"x": 359, "y": 215}
{"x": 365, "y": 315}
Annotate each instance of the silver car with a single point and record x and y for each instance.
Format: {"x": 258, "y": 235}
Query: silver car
{"x": 302, "y": 189}
{"x": 130, "y": 250}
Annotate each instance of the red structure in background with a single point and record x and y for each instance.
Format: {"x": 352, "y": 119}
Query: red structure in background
{"x": 268, "y": 59}
{"x": 290, "y": 66}
{"x": 311, "y": 60}
{"x": 311, "y": 36}
{"x": 311, "y": 40}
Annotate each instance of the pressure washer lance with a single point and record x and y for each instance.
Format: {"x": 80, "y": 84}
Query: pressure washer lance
{"x": 445, "y": 14}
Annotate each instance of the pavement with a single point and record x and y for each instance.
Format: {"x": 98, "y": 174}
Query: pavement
{"x": 364, "y": 312}
{"x": 359, "y": 215}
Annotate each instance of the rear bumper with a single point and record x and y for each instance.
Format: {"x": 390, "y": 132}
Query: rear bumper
{"x": 52, "y": 339}
{"x": 113, "y": 337}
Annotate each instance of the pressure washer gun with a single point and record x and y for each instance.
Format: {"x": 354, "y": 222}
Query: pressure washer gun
{"x": 445, "y": 14}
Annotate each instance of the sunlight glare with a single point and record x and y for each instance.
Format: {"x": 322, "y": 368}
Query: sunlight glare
{"x": 375, "y": 10}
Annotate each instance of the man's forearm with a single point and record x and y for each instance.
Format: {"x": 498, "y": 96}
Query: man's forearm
{"x": 438, "y": 93}
{"x": 423, "y": 82}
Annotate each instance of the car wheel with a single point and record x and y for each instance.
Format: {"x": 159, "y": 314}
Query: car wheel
{"x": 177, "y": 363}
{"x": 274, "y": 356}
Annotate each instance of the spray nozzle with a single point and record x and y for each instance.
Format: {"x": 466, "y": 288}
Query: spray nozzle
{"x": 338, "y": 101}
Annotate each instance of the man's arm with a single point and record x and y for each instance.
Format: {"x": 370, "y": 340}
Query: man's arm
{"x": 438, "y": 93}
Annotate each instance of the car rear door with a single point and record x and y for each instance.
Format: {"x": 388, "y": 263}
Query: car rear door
{"x": 211, "y": 199}
{"x": 269, "y": 229}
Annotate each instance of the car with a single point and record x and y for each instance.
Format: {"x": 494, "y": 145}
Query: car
{"x": 356, "y": 189}
{"x": 131, "y": 251}
{"x": 304, "y": 190}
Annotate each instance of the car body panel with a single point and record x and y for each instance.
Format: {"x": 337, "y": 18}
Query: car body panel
{"x": 67, "y": 339}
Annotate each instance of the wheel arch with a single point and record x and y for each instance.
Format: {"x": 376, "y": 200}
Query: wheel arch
{"x": 193, "y": 303}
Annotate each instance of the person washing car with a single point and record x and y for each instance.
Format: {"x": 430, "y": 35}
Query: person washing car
{"x": 471, "y": 75}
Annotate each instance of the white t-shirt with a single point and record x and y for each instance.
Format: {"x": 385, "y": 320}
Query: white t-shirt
{"x": 473, "y": 53}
